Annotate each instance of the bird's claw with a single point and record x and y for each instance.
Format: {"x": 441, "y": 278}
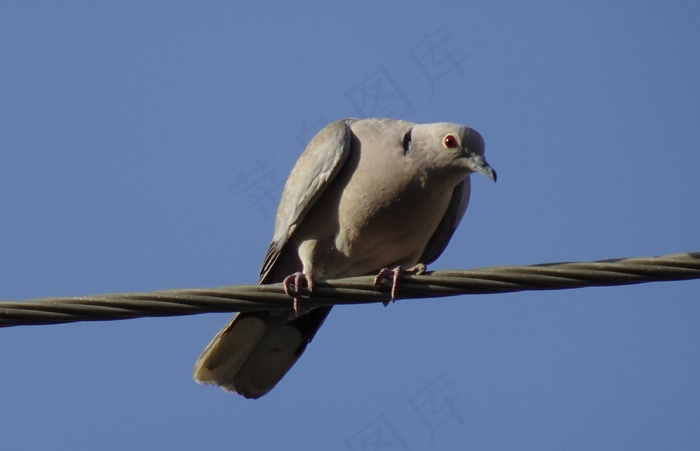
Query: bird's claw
{"x": 396, "y": 273}
{"x": 295, "y": 285}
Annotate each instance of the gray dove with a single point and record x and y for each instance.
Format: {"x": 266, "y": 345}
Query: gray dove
{"x": 367, "y": 196}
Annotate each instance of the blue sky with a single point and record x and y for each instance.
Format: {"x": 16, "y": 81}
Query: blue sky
{"x": 144, "y": 146}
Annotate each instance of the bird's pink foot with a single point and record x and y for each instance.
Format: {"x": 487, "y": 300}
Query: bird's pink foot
{"x": 396, "y": 274}
{"x": 297, "y": 284}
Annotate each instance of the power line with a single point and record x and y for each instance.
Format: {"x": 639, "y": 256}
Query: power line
{"x": 355, "y": 290}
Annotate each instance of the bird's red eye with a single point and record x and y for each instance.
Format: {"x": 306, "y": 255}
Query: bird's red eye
{"x": 451, "y": 142}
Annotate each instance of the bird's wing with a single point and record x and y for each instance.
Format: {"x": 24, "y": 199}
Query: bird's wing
{"x": 311, "y": 175}
{"x": 448, "y": 225}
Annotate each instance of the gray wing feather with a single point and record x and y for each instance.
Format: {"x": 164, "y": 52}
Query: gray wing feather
{"x": 311, "y": 175}
{"x": 453, "y": 215}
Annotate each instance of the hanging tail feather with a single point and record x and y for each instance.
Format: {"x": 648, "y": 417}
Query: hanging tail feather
{"x": 256, "y": 349}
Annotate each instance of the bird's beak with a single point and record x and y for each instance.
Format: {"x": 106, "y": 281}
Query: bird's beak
{"x": 477, "y": 164}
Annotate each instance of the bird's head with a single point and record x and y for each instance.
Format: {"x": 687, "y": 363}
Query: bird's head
{"x": 449, "y": 146}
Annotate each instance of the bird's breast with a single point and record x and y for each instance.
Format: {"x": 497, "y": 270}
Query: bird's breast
{"x": 372, "y": 228}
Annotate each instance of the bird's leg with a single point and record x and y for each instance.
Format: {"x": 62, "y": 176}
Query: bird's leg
{"x": 396, "y": 278}
{"x": 294, "y": 285}
{"x": 395, "y": 281}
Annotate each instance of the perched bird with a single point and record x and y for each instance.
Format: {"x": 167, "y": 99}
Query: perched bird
{"x": 367, "y": 196}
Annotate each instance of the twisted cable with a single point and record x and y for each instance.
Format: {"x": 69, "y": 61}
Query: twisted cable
{"x": 355, "y": 290}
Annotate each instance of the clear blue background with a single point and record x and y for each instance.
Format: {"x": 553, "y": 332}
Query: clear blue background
{"x": 142, "y": 147}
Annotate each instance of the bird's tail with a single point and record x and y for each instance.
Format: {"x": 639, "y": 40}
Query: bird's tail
{"x": 256, "y": 349}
